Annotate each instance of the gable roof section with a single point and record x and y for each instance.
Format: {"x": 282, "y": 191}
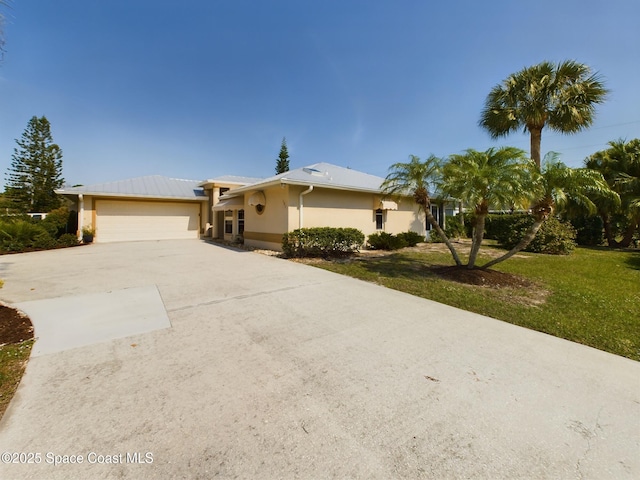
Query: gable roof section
{"x": 152, "y": 186}
{"x": 320, "y": 174}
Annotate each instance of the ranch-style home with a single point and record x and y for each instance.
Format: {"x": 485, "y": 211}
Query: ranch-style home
{"x": 259, "y": 211}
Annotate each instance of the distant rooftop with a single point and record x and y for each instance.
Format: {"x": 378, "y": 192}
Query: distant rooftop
{"x": 151, "y": 186}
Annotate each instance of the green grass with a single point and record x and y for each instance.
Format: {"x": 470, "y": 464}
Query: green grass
{"x": 13, "y": 361}
{"x": 591, "y": 296}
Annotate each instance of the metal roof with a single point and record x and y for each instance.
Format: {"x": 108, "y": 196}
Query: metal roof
{"x": 151, "y": 186}
{"x": 322, "y": 175}
{"x": 232, "y": 179}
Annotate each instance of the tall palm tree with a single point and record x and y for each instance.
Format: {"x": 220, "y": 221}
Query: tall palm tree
{"x": 415, "y": 178}
{"x": 561, "y": 97}
{"x": 556, "y": 186}
{"x": 620, "y": 166}
{"x": 496, "y": 178}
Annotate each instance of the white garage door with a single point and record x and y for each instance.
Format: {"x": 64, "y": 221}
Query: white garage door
{"x": 120, "y": 220}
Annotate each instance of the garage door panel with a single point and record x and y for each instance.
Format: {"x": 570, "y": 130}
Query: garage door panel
{"x": 137, "y": 220}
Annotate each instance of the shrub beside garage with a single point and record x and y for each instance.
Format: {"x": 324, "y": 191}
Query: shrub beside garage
{"x": 24, "y": 234}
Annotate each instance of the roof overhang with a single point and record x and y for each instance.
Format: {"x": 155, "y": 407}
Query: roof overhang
{"x": 233, "y": 203}
{"x": 131, "y": 196}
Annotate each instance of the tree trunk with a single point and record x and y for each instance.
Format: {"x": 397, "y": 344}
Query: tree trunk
{"x": 478, "y": 235}
{"x": 434, "y": 224}
{"x": 536, "y": 138}
{"x": 628, "y": 235}
{"x": 606, "y": 221}
{"x": 522, "y": 244}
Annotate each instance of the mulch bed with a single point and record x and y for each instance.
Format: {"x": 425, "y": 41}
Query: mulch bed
{"x": 15, "y": 327}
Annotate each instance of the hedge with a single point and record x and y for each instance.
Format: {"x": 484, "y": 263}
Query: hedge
{"x": 387, "y": 241}
{"x": 322, "y": 242}
{"x": 554, "y": 237}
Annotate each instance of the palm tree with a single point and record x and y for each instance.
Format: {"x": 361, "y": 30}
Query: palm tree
{"x": 415, "y": 178}
{"x": 620, "y": 166}
{"x": 561, "y": 97}
{"x": 558, "y": 185}
{"x": 498, "y": 178}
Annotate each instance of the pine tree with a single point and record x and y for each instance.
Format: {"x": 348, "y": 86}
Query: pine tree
{"x": 282, "y": 164}
{"x": 36, "y": 170}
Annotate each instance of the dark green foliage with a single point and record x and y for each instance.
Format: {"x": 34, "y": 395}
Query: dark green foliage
{"x": 282, "y": 164}
{"x": 35, "y": 171}
{"x": 67, "y": 240}
{"x": 554, "y": 237}
{"x": 386, "y": 241}
{"x": 454, "y": 227}
{"x": 589, "y": 230}
{"x": 411, "y": 238}
{"x": 322, "y": 242}
{"x": 499, "y": 226}
{"x": 23, "y": 235}
{"x": 56, "y": 222}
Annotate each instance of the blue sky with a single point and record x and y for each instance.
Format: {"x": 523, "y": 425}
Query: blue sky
{"x": 202, "y": 88}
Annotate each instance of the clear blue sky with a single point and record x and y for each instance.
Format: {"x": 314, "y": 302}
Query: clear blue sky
{"x": 201, "y": 88}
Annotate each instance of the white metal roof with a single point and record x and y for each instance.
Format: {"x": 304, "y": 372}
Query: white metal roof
{"x": 151, "y": 186}
{"x": 232, "y": 179}
{"x": 322, "y": 175}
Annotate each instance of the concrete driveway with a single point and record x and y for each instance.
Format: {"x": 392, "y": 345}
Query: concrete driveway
{"x": 272, "y": 369}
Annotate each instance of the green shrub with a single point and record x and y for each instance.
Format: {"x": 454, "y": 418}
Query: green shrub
{"x": 68, "y": 240}
{"x": 589, "y": 230}
{"x": 23, "y": 235}
{"x": 454, "y": 227}
{"x": 322, "y": 242}
{"x": 434, "y": 237}
{"x": 500, "y": 225}
{"x": 56, "y": 222}
{"x": 386, "y": 241}
{"x": 554, "y": 237}
{"x": 411, "y": 238}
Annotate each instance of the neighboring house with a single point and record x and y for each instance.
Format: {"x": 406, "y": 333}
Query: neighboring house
{"x": 257, "y": 211}
{"x": 143, "y": 208}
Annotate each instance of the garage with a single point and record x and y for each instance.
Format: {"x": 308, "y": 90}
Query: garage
{"x": 122, "y": 220}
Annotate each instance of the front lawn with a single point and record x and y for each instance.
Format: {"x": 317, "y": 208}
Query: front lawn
{"x": 591, "y": 297}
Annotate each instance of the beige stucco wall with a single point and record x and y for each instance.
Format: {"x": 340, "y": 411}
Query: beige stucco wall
{"x": 323, "y": 208}
{"x": 265, "y": 230}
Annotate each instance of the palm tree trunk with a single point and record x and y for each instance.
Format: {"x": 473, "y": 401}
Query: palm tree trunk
{"x": 628, "y": 235}
{"x": 536, "y": 138}
{"x": 434, "y": 224}
{"x": 608, "y": 233}
{"x": 522, "y": 244}
{"x": 478, "y": 235}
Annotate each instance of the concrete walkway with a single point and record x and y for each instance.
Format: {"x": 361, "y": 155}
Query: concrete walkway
{"x": 272, "y": 369}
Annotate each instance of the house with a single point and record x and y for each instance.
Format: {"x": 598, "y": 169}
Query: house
{"x": 258, "y": 211}
{"x": 317, "y": 195}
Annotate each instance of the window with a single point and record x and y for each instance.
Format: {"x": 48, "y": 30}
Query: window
{"x": 228, "y": 221}
{"x": 435, "y": 211}
{"x": 240, "y": 222}
{"x": 379, "y": 219}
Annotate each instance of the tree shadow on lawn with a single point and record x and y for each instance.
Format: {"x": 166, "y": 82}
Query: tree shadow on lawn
{"x": 399, "y": 266}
